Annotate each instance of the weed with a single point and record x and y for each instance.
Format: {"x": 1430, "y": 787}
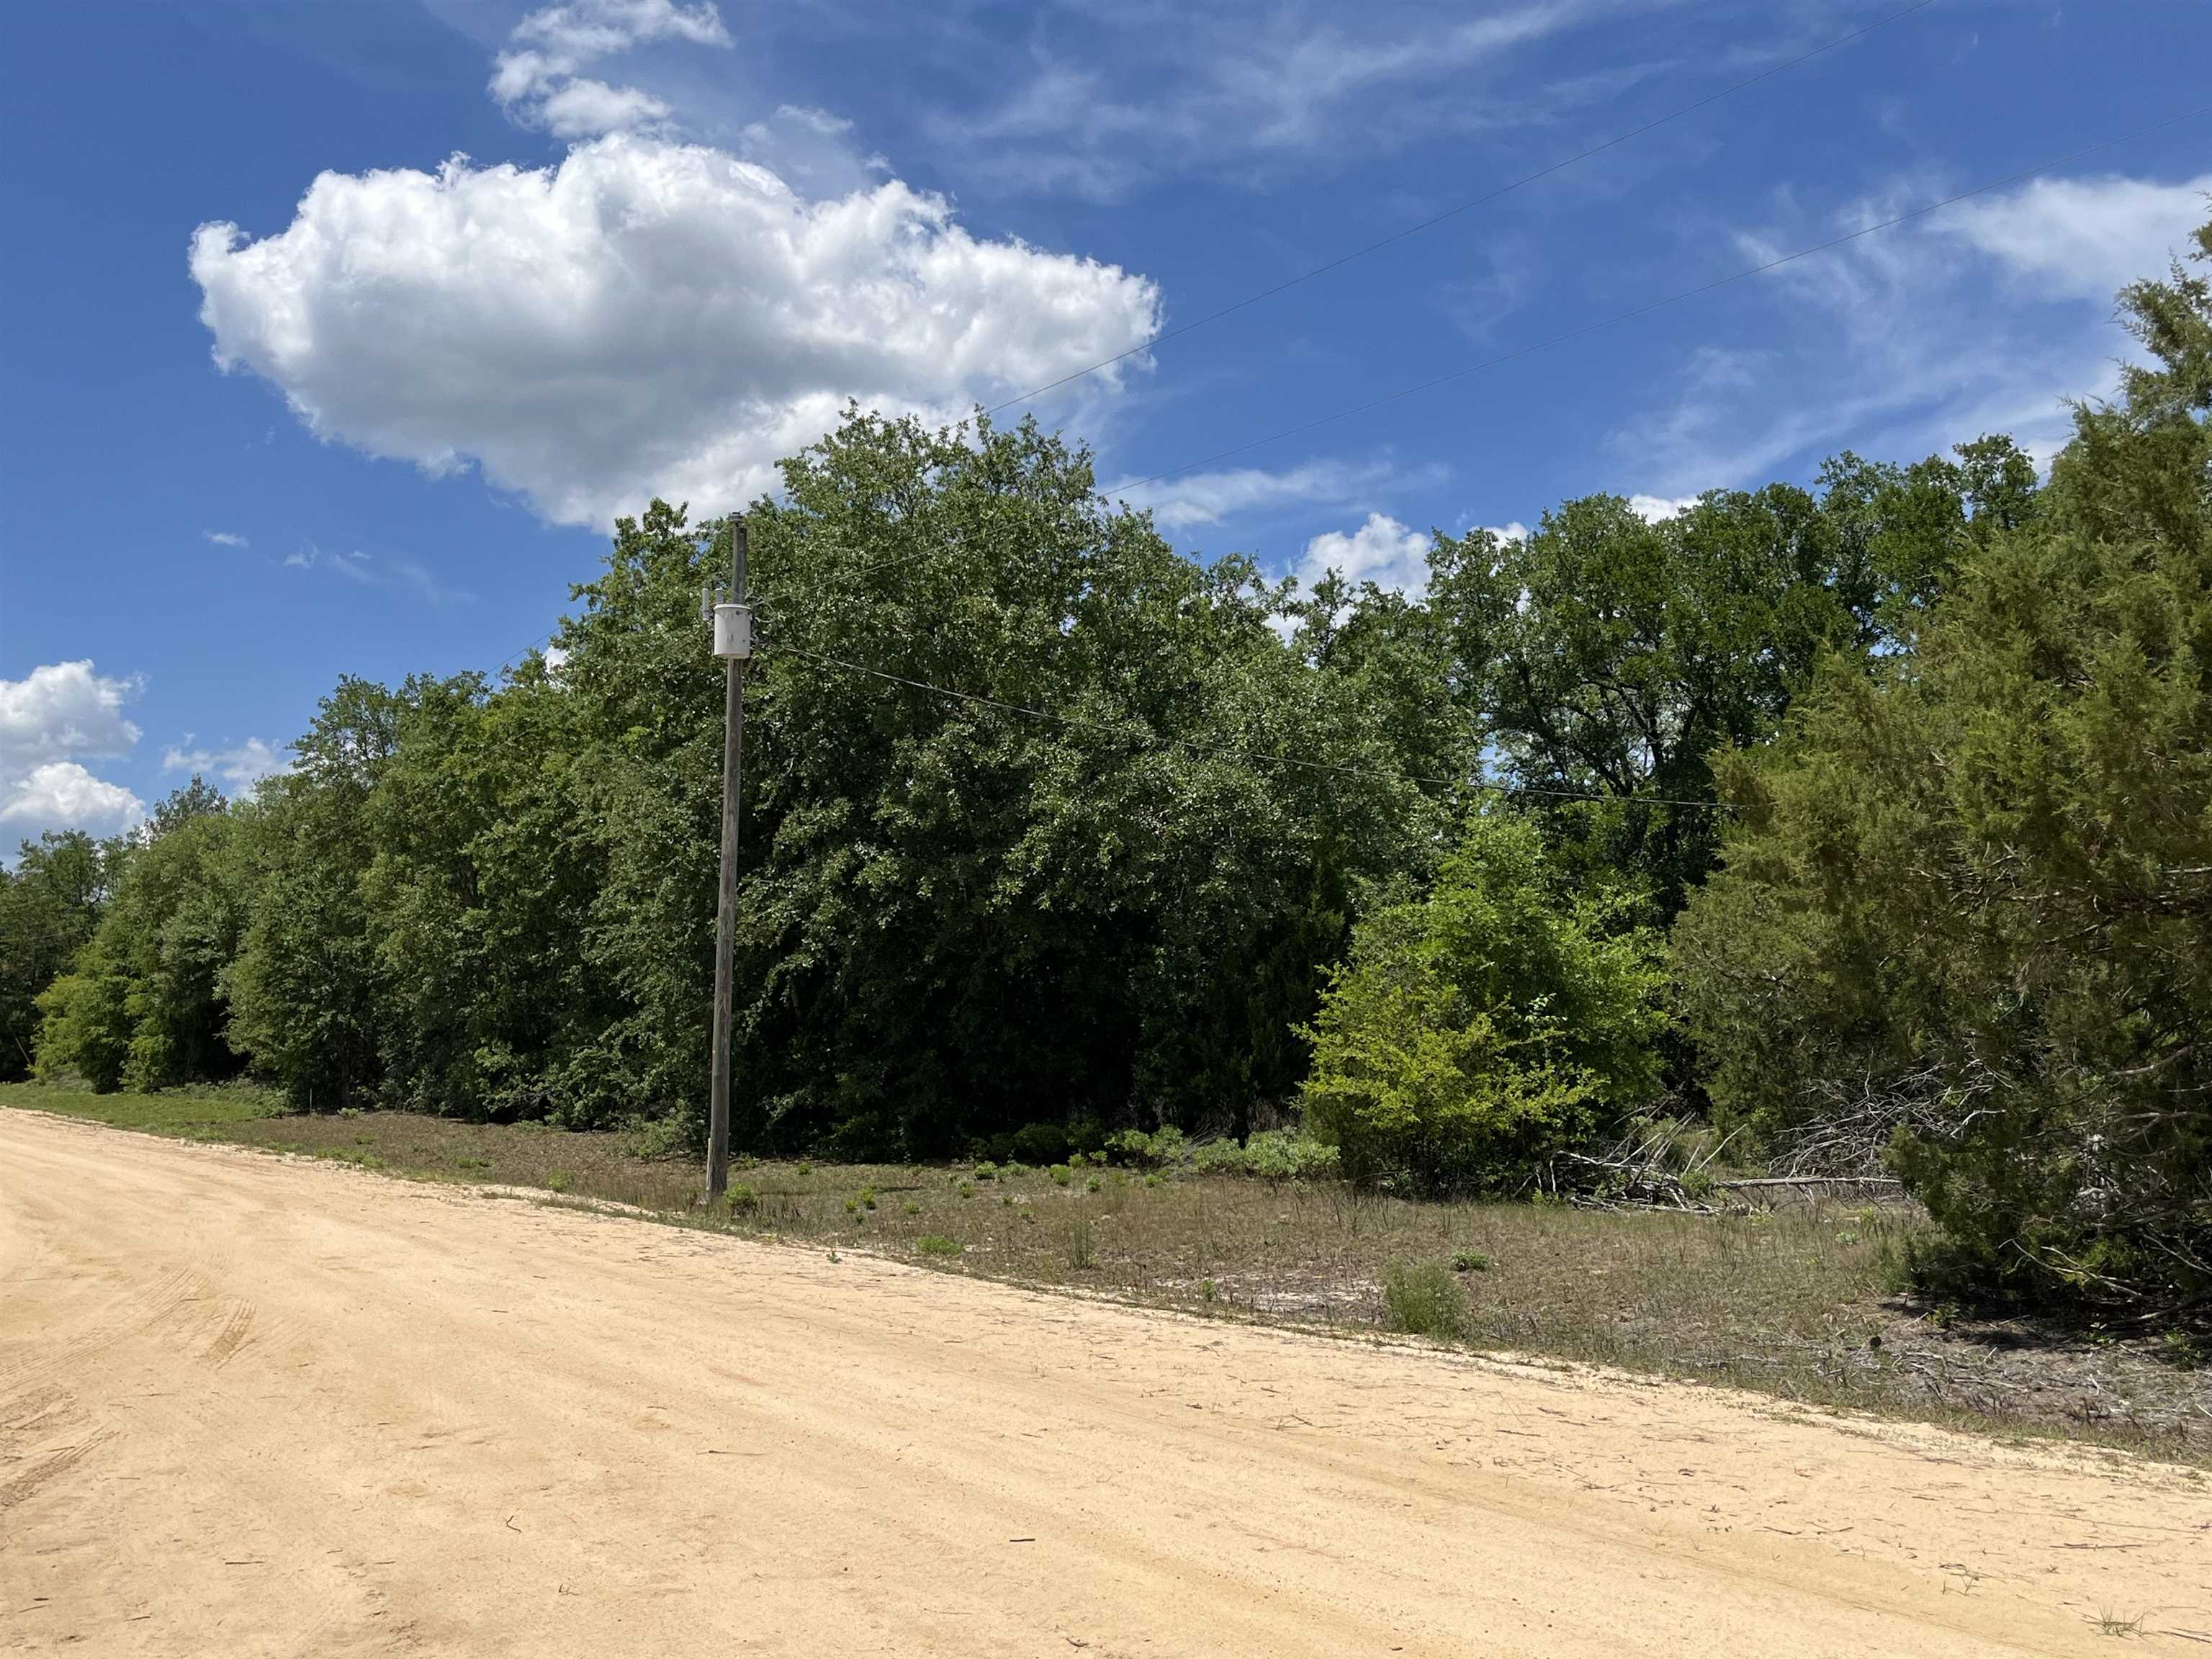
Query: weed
{"x": 472, "y": 1163}
{"x": 1061, "y": 1174}
{"x": 937, "y": 1245}
{"x": 2111, "y": 1624}
{"x": 1082, "y": 1248}
{"x": 986, "y": 1171}
{"x": 1470, "y": 1262}
{"x": 1422, "y": 1297}
{"x": 559, "y": 1181}
{"x": 910, "y": 1207}
{"x": 741, "y": 1199}
{"x": 966, "y": 1189}
{"x": 1205, "y": 1289}
{"x": 867, "y": 1199}
{"x": 1091, "y": 1185}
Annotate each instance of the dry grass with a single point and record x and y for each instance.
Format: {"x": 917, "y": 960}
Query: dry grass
{"x": 1797, "y": 1302}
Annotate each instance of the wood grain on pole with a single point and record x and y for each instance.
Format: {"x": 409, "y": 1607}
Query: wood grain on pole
{"x": 726, "y": 909}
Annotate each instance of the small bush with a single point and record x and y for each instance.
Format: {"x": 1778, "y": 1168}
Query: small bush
{"x": 741, "y": 1199}
{"x": 1091, "y": 1185}
{"x": 559, "y": 1181}
{"x": 1424, "y": 1298}
{"x": 987, "y": 1170}
{"x": 937, "y": 1245}
{"x": 868, "y": 1198}
{"x": 1470, "y": 1262}
{"x": 1061, "y": 1174}
{"x": 1273, "y": 1155}
{"x": 910, "y": 1207}
{"x": 1147, "y": 1152}
{"x": 1041, "y": 1142}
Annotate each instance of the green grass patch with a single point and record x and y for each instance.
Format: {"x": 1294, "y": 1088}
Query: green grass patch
{"x": 195, "y": 1113}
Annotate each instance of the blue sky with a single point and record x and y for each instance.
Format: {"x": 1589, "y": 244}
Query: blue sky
{"x": 337, "y": 331}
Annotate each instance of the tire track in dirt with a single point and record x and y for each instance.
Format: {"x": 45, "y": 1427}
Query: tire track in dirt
{"x": 258, "y": 1406}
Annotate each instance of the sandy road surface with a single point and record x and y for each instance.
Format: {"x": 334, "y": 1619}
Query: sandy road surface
{"x": 256, "y": 1406}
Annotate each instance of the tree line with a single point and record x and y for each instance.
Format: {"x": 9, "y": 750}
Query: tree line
{"x": 1872, "y": 821}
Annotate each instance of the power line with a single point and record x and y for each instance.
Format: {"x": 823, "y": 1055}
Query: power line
{"x": 518, "y": 654}
{"x": 1225, "y": 749}
{"x": 1650, "y": 306}
{"x": 1430, "y": 223}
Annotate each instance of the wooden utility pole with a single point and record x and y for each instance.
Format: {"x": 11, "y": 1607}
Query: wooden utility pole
{"x": 733, "y": 644}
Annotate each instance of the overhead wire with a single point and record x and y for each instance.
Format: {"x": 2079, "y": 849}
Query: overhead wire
{"x": 1434, "y": 220}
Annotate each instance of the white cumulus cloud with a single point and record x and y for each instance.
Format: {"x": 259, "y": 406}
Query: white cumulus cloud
{"x": 1382, "y": 551}
{"x": 63, "y": 795}
{"x": 1653, "y": 509}
{"x": 56, "y": 713}
{"x": 644, "y": 318}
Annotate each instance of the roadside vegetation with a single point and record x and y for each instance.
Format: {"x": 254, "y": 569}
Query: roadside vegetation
{"x": 1806, "y": 1301}
{"x": 1258, "y": 950}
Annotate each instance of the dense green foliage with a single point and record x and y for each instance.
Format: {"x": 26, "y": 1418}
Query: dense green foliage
{"x": 1057, "y": 842}
{"x": 142, "y": 1003}
{"x": 1966, "y": 916}
{"x": 50, "y": 903}
{"x": 1478, "y": 1031}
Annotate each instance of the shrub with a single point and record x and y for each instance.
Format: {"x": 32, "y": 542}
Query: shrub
{"x": 1272, "y": 1155}
{"x": 741, "y": 1199}
{"x": 937, "y": 1245}
{"x": 1148, "y": 1151}
{"x": 1424, "y": 1298}
{"x": 559, "y": 1181}
{"x": 986, "y": 1171}
{"x": 1470, "y": 1262}
{"x": 1061, "y": 1174}
{"x": 1488, "y": 1027}
{"x": 1040, "y": 1143}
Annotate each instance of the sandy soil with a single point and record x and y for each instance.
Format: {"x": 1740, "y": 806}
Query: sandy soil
{"x": 258, "y": 1405}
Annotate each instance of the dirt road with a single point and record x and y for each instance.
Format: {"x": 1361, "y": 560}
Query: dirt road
{"x": 256, "y": 1406}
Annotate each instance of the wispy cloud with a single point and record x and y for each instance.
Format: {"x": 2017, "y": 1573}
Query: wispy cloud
{"x": 385, "y": 571}
{"x": 1892, "y": 346}
{"x": 241, "y": 765}
{"x": 224, "y": 539}
{"x": 1213, "y": 498}
{"x": 540, "y": 81}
